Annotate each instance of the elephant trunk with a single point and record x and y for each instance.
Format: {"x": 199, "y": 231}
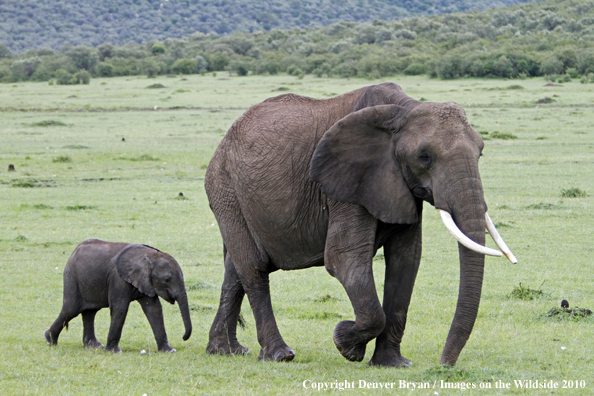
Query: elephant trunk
{"x": 468, "y": 211}
{"x": 182, "y": 301}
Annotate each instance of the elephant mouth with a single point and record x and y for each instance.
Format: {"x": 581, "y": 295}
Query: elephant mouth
{"x": 424, "y": 193}
{"x": 450, "y": 224}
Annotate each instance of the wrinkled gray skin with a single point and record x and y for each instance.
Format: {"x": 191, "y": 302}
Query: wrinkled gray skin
{"x": 103, "y": 274}
{"x": 298, "y": 182}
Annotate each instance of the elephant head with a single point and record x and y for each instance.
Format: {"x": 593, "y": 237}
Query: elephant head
{"x": 389, "y": 158}
{"x": 154, "y": 272}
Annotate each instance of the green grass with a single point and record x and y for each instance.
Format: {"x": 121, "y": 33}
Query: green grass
{"x": 573, "y": 192}
{"x": 128, "y": 190}
{"x": 526, "y": 293}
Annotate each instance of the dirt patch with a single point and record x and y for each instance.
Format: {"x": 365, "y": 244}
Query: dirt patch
{"x": 564, "y": 312}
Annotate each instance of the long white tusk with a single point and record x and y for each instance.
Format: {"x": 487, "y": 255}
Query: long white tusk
{"x": 498, "y": 240}
{"x": 463, "y": 239}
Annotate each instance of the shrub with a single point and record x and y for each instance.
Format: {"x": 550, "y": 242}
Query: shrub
{"x": 449, "y": 67}
{"x": 573, "y": 192}
{"x": 104, "y": 69}
{"x": 525, "y": 293}
{"x": 201, "y": 64}
{"x": 83, "y": 58}
{"x": 415, "y": 69}
{"x": 239, "y": 67}
{"x": 294, "y": 71}
{"x": 184, "y": 66}
{"x": 62, "y": 159}
{"x": 503, "y": 135}
{"x": 82, "y": 77}
{"x": 551, "y": 66}
{"x": 157, "y": 49}
{"x": 63, "y": 77}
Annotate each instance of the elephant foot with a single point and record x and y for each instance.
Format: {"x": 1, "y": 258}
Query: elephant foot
{"x": 389, "y": 360}
{"x": 92, "y": 344}
{"x": 166, "y": 348}
{"x": 224, "y": 347}
{"x": 48, "y": 338}
{"x": 343, "y": 335}
{"x": 115, "y": 349}
{"x": 279, "y": 354}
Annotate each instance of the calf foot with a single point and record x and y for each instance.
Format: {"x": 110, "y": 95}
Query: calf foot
{"x": 281, "y": 353}
{"x": 48, "y": 338}
{"x": 92, "y": 344}
{"x": 166, "y": 348}
{"x": 343, "y": 339}
{"x": 114, "y": 349}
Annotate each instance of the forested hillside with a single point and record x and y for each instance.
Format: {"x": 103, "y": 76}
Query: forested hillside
{"x": 553, "y": 38}
{"x": 33, "y": 24}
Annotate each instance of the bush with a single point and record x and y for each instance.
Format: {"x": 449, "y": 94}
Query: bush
{"x": 22, "y": 69}
{"x": 449, "y": 67}
{"x": 573, "y": 192}
{"x": 63, "y": 77}
{"x": 104, "y": 69}
{"x": 184, "y": 66}
{"x": 551, "y": 66}
{"x": 294, "y": 71}
{"x": 83, "y": 58}
{"x": 157, "y": 49}
{"x": 82, "y": 77}
{"x": 239, "y": 67}
{"x": 585, "y": 61}
{"x": 415, "y": 69}
{"x": 201, "y": 64}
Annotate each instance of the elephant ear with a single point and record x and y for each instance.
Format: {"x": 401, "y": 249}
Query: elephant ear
{"x": 355, "y": 162}
{"x": 133, "y": 266}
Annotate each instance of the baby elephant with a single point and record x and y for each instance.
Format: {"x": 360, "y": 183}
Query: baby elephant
{"x": 103, "y": 274}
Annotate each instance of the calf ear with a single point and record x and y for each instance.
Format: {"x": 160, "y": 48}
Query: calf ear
{"x": 134, "y": 267}
{"x": 355, "y": 162}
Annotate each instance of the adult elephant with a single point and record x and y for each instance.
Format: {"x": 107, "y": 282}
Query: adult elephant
{"x": 298, "y": 182}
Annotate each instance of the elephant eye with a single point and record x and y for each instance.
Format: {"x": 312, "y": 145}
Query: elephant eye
{"x": 167, "y": 279}
{"x": 425, "y": 159}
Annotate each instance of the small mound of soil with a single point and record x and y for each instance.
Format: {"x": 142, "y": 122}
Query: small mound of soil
{"x": 566, "y": 312}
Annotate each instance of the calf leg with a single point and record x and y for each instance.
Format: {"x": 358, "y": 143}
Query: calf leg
{"x": 119, "y": 311}
{"x": 89, "y": 339}
{"x": 154, "y": 313}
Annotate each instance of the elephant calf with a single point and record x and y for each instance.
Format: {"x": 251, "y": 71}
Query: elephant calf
{"x": 103, "y": 274}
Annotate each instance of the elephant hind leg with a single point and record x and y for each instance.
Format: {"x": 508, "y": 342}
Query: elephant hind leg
{"x": 52, "y": 334}
{"x": 223, "y": 332}
{"x": 89, "y": 339}
{"x": 246, "y": 271}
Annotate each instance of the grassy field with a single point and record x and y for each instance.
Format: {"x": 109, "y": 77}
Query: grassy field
{"x": 110, "y": 159}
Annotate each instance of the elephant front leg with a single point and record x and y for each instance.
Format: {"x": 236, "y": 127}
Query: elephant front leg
{"x": 119, "y": 311}
{"x": 151, "y": 306}
{"x": 223, "y": 332}
{"x": 403, "y": 255}
{"x": 348, "y": 256}
{"x": 351, "y": 337}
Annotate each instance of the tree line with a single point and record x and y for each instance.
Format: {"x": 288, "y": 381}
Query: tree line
{"x": 32, "y": 24}
{"x": 551, "y": 38}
